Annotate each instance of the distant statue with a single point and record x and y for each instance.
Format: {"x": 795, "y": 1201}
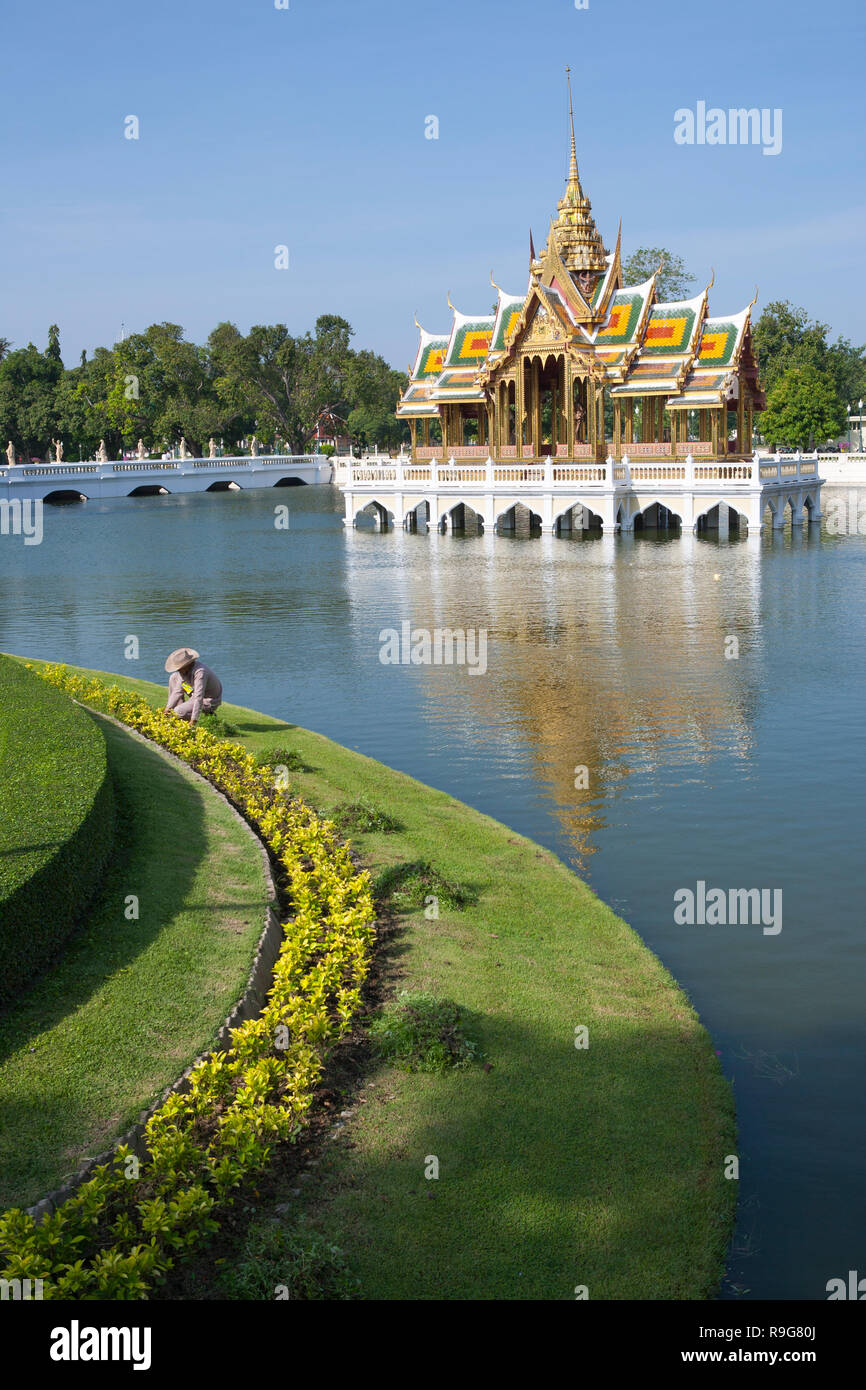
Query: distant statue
{"x": 254, "y": 446}
{"x": 102, "y": 452}
{"x": 579, "y": 416}
{"x": 58, "y": 450}
{"x": 141, "y": 452}
{"x": 211, "y": 449}
{"x": 10, "y": 454}
{"x": 184, "y": 451}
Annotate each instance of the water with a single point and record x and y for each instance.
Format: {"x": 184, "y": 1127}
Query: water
{"x": 610, "y": 654}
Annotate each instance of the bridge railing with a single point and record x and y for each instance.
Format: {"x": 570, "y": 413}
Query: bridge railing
{"x": 112, "y": 466}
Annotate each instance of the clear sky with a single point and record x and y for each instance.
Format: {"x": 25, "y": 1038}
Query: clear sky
{"x": 305, "y": 126}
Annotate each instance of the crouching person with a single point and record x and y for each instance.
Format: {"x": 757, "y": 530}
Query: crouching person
{"x": 193, "y": 689}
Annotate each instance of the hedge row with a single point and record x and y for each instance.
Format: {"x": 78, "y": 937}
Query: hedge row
{"x": 56, "y": 821}
{"x": 123, "y": 1229}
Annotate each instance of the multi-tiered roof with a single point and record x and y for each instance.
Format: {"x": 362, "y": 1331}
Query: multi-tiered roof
{"x": 633, "y": 342}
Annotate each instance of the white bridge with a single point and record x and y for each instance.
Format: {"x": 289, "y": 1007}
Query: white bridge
{"x": 617, "y": 495}
{"x": 72, "y": 482}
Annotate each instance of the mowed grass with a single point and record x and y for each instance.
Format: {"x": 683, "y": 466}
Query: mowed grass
{"x": 131, "y": 1002}
{"x": 559, "y": 1168}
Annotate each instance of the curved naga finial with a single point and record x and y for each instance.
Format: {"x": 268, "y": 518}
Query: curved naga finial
{"x": 755, "y": 300}
{"x": 712, "y": 279}
{"x": 450, "y": 305}
{"x": 494, "y": 284}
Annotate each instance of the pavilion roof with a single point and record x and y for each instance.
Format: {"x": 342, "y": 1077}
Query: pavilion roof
{"x": 430, "y": 355}
{"x": 470, "y": 338}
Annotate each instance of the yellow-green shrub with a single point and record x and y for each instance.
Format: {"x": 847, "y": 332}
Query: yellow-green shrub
{"x": 121, "y": 1232}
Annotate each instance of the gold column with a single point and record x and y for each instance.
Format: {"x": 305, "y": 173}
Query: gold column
{"x": 568, "y": 371}
{"x": 741, "y": 420}
{"x": 617, "y": 426}
{"x": 518, "y": 403}
{"x": 413, "y": 435}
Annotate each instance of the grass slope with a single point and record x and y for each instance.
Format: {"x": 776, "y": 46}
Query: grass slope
{"x": 56, "y": 821}
{"x": 558, "y": 1167}
{"x": 131, "y": 1003}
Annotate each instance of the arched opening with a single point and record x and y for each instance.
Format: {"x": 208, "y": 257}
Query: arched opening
{"x": 720, "y": 521}
{"x": 149, "y": 490}
{"x": 578, "y": 523}
{"x": 290, "y": 482}
{"x": 223, "y": 485}
{"x": 657, "y": 519}
{"x": 462, "y": 521}
{"x": 418, "y": 519}
{"x": 61, "y": 497}
{"x": 373, "y": 517}
{"x": 518, "y": 521}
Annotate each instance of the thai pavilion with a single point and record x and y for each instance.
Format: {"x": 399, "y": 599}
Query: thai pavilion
{"x": 533, "y": 379}
{"x": 584, "y": 383}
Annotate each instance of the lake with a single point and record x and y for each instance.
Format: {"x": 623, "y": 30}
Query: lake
{"x": 659, "y": 711}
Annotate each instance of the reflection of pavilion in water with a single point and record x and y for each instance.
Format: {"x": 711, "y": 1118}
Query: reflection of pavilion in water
{"x": 609, "y": 662}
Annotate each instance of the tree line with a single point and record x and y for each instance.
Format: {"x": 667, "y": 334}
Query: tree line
{"x": 159, "y": 387}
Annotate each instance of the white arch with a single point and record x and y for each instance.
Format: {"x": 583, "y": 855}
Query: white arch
{"x": 381, "y": 514}
{"x": 657, "y": 502}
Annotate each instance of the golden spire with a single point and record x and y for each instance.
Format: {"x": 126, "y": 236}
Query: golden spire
{"x": 572, "y": 170}
{"x": 577, "y": 237}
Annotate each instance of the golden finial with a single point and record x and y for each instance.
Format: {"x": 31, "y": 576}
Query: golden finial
{"x": 712, "y": 279}
{"x": 572, "y": 172}
{"x": 661, "y": 264}
{"x": 417, "y": 324}
{"x": 755, "y": 300}
{"x": 494, "y": 284}
{"x": 450, "y": 305}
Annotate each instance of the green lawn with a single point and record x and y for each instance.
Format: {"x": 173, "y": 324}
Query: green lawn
{"x": 56, "y": 821}
{"x": 558, "y": 1167}
{"x": 131, "y": 1003}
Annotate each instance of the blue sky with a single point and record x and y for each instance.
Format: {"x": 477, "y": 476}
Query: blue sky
{"x": 306, "y": 127}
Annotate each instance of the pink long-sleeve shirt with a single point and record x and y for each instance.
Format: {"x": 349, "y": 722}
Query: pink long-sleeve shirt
{"x": 207, "y": 690}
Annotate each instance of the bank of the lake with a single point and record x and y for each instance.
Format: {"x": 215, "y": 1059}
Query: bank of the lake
{"x": 559, "y": 1166}
{"x": 143, "y": 985}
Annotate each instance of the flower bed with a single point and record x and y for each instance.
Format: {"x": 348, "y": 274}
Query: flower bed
{"x": 124, "y": 1228}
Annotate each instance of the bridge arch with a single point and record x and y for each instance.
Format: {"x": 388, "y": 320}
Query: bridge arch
{"x": 417, "y": 518}
{"x": 375, "y": 512}
{"x": 463, "y": 519}
{"x": 289, "y": 481}
{"x": 223, "y": 485}
{"x": 517, "y": 520}
{"x": 656, "y": 516}
{"x": 149, "y": 490}
{"x": 63, "y": 495}
{"x": 710, "y": 518}
{"x": 578, "y": 516}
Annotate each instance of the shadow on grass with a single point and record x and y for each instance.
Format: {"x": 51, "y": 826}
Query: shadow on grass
{"x": 47, "y": 1124}
{"x": 558, "y": 1168}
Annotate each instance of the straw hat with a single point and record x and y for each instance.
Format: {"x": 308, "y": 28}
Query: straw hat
{"x": 182, "y": 657}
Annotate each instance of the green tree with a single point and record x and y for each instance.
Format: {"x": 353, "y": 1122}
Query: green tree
{"x": 784, "y": 337}
{"x": 28, "y": 387}
{"x": 803, "y": 409}
{"x": 674, "y": 281}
